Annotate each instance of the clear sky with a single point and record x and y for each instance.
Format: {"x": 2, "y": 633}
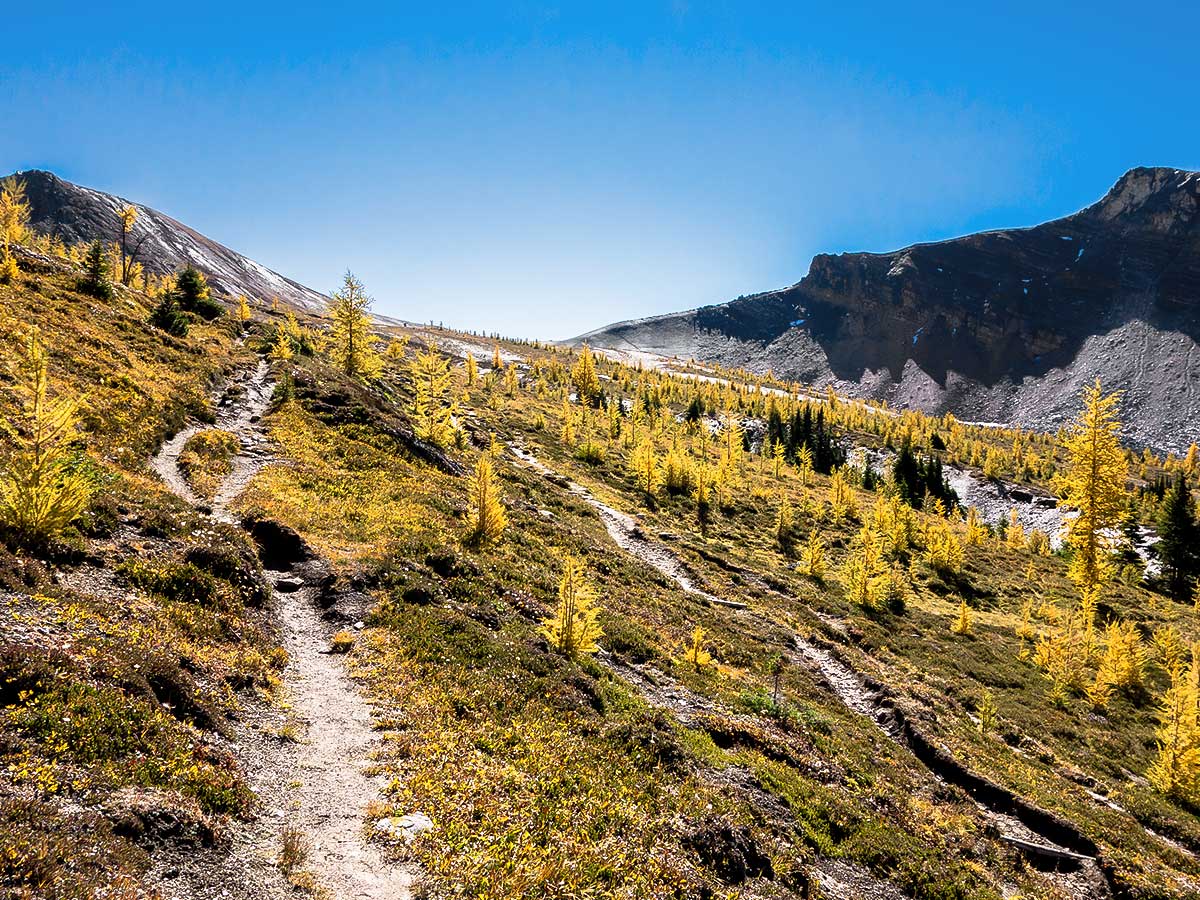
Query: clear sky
{"x": 545, "y": 168}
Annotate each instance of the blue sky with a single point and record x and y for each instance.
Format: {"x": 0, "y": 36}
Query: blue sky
{"x": 542, "y": 169}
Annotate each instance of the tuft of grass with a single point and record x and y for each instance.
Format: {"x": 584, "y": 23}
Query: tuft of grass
{"x": 342, "y": 642}
{"x": 206, "y": 458}
{"x": 294, "y": 850}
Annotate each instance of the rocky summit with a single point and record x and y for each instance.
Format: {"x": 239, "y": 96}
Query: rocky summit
{"x": 76, "y": 214}
{"x": 1002, "y": 326}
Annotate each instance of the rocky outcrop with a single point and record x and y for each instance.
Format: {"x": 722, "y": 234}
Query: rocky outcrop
{"x": 998, "y": 326}
{"x": 78, "y": 214}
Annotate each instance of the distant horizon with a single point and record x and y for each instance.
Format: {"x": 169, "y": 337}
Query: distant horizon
{"x": 543, "y": 170}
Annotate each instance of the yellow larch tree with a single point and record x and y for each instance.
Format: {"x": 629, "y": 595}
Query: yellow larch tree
{"x": 1121, "y": 664}
{"x": 643, "y": 466}
{"x": 574, "y": 628}
{"x": 1094, "y": 484}
{"x": 1014, "y": 534}
{"x": 976, "y": 531}
{"x": 487, "y": 519}
{"x": 433, "y": 410}
{"x": 695, "y": 651}
{"x": 14, "y": 221}
{"x": 127, "y": 216}
{"x": 1176, "y": 768}
{"x": 733, "y": 441}
{"x": 40, "y": 493}
{"x": 584, "y": 378}
{"x": 862, "y": 570}
{"x": 943, "y": 551}
{"x": 678, "y": 472}
{"x": 812, "y": 561}
{"x": 841, "y": 497}
{"x": 804, "y": 464}
{"x": 1061, "y": 655}
{"x": 567, "y": 434}
{"x": 351, "y": 333}
{"x": 243, "y": 309}
{"x": 962, "y": 624}
{"x": 281, "y": 348}
{"x": 778, "y": 458}
{"x": 785, "y": 520}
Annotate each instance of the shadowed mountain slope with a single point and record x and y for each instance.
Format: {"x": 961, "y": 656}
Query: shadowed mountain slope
{"x": 1000, "y": 326}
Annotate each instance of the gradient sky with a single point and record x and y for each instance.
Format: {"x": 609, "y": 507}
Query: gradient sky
{"x": 543, "y": 169}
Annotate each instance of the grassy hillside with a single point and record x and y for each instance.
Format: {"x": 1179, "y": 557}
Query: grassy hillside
{"x": 131, "y": 641}
{"x": 142, "y": 640}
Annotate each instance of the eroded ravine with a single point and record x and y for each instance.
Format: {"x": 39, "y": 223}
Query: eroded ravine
{"x": 320, "y": 787}
{"x": 1078, "y": 874}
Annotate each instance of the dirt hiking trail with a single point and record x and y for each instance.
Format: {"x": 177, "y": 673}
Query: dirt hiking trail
{"x": 318, "y": 785}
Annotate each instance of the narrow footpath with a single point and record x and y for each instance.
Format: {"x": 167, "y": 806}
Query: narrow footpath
{"x": 307, "y": 761}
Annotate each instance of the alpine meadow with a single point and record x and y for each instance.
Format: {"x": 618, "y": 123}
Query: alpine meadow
{"x": 882, "y": 585}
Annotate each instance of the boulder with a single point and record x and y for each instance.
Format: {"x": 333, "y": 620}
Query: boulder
{"x": 279, "y": 546}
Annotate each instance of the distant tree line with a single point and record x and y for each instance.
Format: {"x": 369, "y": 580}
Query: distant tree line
{"x": 806, "y": 429}
{"x": 918, "y": 478}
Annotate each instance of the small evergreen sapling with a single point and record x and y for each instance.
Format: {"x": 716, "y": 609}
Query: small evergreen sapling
{"x": 95, "y": 280}
{"x": 167, "y": 316}
{"x": 192, "y": 291}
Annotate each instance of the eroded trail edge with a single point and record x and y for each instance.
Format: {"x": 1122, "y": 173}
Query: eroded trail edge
{"x": 318, "y": 785}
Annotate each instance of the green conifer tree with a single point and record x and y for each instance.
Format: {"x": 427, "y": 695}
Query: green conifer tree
{"x": 95, "y": 280}
{"x": 1179, "y": 540}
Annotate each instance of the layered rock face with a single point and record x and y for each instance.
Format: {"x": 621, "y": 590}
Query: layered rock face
{"x": 1002, "y": 326}
{"x": 79, "y": 214}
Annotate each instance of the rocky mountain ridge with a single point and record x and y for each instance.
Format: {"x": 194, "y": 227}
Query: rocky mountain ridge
{"x": 1001, "y": 326}
{"x": 79, "y": 214}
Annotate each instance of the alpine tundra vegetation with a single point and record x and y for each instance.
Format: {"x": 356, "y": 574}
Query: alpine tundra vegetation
{"x": 593, "y": 627}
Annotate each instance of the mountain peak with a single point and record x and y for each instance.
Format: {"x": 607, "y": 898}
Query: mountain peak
{"x": 79, "y": 214}
{"x": 1156, "y": 190}
{"x": 989, "y": 326}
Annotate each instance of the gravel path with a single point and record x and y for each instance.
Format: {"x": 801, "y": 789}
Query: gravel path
{"x": 318, "y": 786}
{"x": 329, "y": 788}
{"x": 628, "y": 535}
